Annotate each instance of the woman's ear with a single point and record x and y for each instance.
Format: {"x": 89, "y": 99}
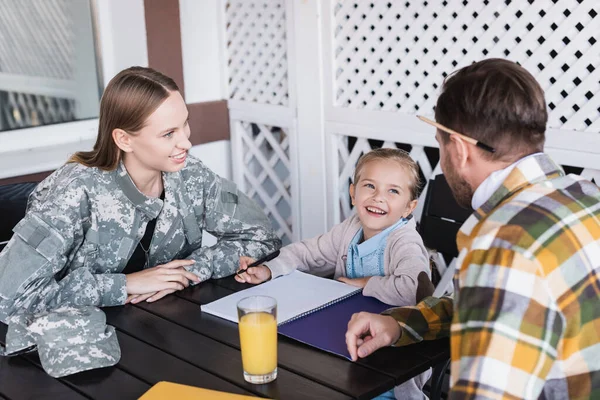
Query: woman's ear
{"x": 352, "y": 192}
{"x": 122, "y": 140}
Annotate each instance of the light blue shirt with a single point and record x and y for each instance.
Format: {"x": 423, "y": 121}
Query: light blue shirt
{"x": 366, "y": 258}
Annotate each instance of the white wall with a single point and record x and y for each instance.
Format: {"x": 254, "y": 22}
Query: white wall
{"x": 216, "y": 156}
{"x": 203, "y": 75}
{"x": 201, "y": 39}
{"x": 122, "y": 35}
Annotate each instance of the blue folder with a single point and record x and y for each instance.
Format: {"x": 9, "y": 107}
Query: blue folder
{"x": 326, "y": 328}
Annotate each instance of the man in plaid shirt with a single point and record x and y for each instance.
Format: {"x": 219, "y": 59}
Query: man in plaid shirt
{"x": 525, "y": 318}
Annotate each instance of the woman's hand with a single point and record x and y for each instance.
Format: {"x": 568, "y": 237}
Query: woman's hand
{"x": 253, "y": 275}
{"x": 155, "y": 283}
{"x": 358, "y": 282}
{"x": 149, "y": 297}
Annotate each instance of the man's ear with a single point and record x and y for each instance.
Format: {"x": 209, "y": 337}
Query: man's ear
{"x": 462, "y": 152}
{"x": 352, "y": 192}
{"x": 122, "y": 140}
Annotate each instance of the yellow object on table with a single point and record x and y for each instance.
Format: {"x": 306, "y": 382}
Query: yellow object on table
{"x": 170, "y": 390}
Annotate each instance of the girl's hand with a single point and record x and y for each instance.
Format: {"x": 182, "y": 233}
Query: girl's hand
{"x": 171, "y": 277}
{"x": 253, "y": 275}
{"x": 358, "y": 282}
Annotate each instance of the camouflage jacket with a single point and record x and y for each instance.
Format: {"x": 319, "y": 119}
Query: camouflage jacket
{"x": 83, "y": 224}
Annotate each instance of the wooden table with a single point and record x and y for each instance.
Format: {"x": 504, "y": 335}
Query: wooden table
{"x": 172, "y": 340}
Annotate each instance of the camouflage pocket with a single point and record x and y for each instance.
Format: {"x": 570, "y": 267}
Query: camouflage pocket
{"x": 40, "y": 236}
{"x": 37, "y": 249}
{"x": 90, "y": 253}
{"x": 30, "y": 265}
{"x": 229, "y": 198}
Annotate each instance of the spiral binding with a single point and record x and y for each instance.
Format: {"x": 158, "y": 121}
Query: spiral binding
{"x": 304, "y": 314}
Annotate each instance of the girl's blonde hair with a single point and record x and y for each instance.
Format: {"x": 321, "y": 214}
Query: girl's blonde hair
{"x": 401, "y": 157}
{"x": 128, "y": 100}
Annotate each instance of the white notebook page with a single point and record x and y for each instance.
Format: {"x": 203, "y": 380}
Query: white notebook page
{"x": 296, "y": 294}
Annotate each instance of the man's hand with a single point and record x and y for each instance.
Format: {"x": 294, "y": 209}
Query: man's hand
{"x": 252, "y": 275}
{"x": 155, "y": 283}
{"x": 368, "y": 332}
{"x": 358, "y": 282}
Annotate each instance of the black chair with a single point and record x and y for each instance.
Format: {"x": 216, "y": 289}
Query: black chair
{"x": 13, "y": 203}
{"x": 442, "y": 218}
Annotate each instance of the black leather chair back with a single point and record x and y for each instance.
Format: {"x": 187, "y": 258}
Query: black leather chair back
{"x": 13, "y": 203}
{"x": 442, "y": 218}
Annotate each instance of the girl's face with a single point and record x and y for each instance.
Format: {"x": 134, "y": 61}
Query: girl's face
{"x": 381, "y": 196}
{"x": 162, "y": 144}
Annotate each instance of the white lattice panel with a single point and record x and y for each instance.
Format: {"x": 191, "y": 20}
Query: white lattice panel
{"x": 393, "y": 55}
{"x": 266, "y": 172}
{"x": 257, "y": 51}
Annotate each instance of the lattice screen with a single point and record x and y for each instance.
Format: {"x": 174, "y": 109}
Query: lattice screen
{"x": 266, "y": 173}
{"x": 393, "y": 55}
{"x": 257, "y": 51}
{"x": 257, "y": 57}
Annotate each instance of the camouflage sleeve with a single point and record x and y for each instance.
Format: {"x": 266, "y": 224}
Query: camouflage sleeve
{"x": 34, "y": 273}
{"x": 430, "y": 319}
{"x": 240, "y": 226}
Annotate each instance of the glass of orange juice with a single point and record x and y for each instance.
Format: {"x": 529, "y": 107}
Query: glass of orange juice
{"x": 258, "y": 338}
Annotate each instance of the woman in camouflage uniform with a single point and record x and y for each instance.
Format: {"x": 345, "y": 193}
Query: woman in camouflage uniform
{"x": 124, "y": 221}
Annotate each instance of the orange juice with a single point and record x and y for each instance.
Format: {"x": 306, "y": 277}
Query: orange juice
{"x": 258, "y": 339}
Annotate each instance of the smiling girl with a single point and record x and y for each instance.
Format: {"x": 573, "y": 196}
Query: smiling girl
{"x": 377, "y": 249}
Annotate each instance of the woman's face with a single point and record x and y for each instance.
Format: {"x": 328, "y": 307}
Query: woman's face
{"x": 163, "y": 142}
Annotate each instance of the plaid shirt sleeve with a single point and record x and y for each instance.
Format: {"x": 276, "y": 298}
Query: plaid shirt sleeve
{"x": 506, "y": 329}
{"x": 429, "y": 320}
{"x": 505, "y": 333}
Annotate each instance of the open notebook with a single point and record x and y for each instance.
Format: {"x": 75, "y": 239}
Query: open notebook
{"x": 310, "y": 309}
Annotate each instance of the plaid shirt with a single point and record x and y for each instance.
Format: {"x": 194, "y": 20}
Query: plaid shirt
{"x": 525, "y": 320}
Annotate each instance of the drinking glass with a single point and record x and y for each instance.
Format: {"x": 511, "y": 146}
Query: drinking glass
{"x": 257, "y": 317}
